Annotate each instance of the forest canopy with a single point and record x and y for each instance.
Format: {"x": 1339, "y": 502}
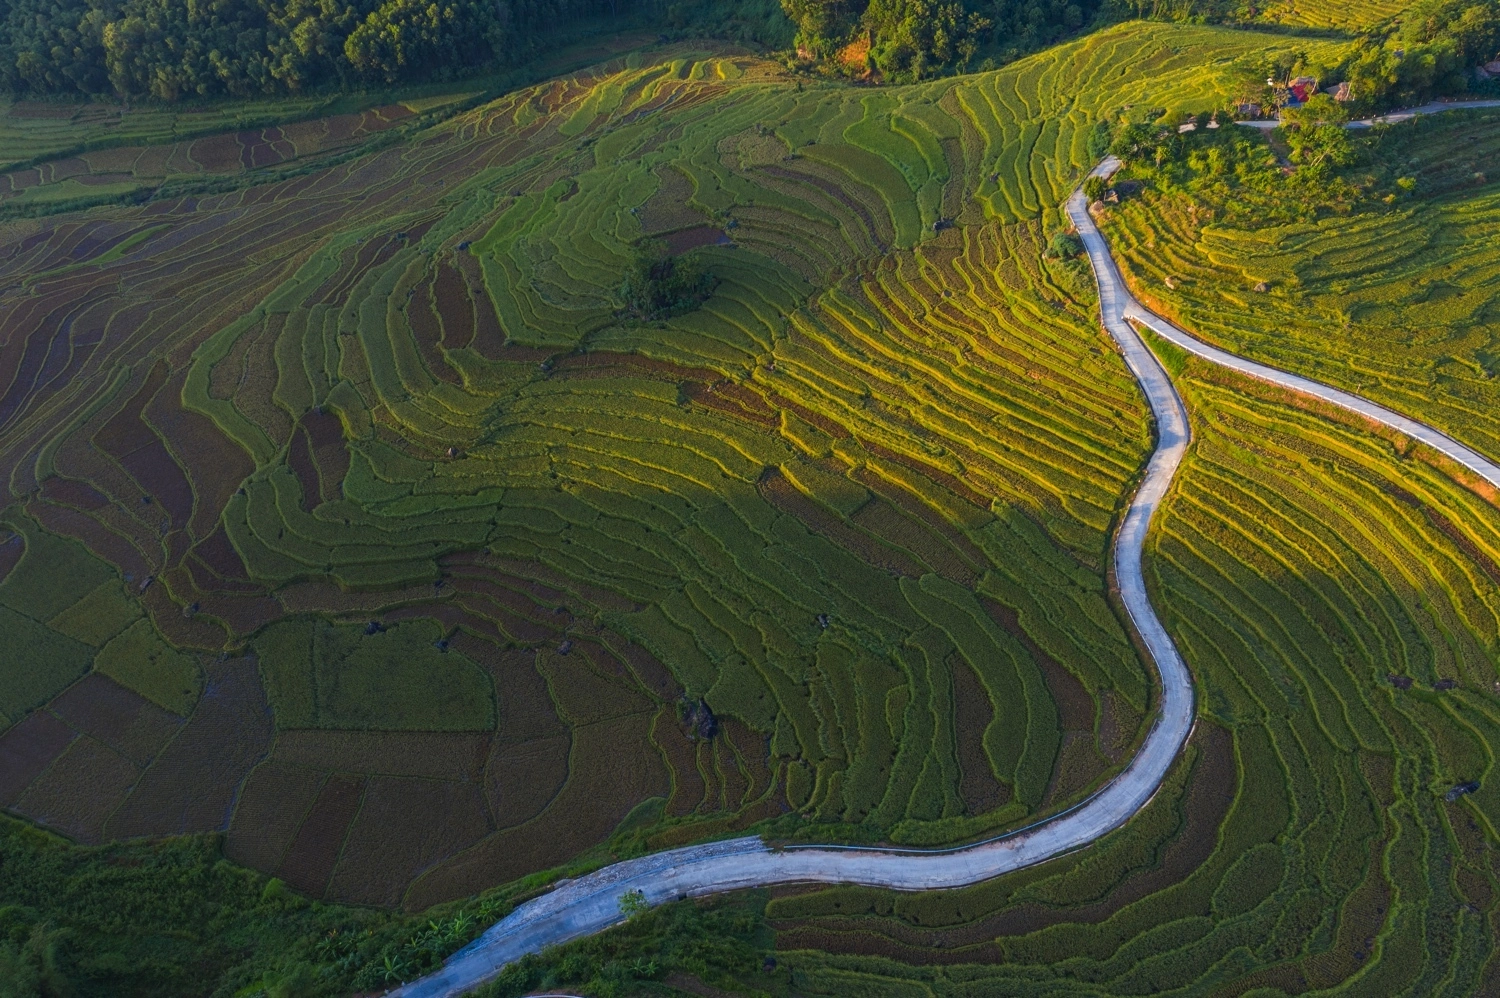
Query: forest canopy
{"x": 912, "y": 39}
{"x": 172, "y": 49}
{"x": 182, "y": 49}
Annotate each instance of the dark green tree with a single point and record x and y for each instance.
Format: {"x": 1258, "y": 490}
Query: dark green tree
{"x": 659, "y": 285}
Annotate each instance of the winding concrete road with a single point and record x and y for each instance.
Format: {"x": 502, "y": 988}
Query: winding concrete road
{"x": 591, "y": 903}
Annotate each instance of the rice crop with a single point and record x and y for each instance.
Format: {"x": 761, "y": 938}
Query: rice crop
{"x": 1330, "y": 14}
{"x": 1307, "y": 841}
{"x": 1395, "y": 301}
{"x": 434, "y": 535}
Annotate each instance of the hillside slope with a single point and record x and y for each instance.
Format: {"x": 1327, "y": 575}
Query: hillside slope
{"x": 348, "y": 517}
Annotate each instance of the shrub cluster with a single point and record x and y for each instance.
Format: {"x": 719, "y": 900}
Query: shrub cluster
{"x": 660, "y": 285}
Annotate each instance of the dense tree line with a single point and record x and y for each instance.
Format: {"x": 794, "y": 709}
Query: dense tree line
{"x": 175, "y": 49}
{"x": 912, "y": 39}
{"x": 171, "y": 49}
{"x": 1431, "y": 49}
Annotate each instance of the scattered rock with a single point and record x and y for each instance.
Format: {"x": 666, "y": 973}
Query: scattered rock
{"x": 1460, "y": 790}
{"x": 699, "y": 720}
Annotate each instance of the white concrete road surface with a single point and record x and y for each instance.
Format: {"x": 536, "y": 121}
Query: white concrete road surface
{"x": 1393, "y": 117}
{"x": 591, "y": 903}
{"x": 1133, "y": 310}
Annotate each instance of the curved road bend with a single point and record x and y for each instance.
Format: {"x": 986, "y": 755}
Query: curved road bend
{"x": 1107, "y": 275}
{"x": 591, "y": 903}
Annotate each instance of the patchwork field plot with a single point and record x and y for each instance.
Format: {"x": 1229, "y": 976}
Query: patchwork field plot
{"x": 119, "y": 169}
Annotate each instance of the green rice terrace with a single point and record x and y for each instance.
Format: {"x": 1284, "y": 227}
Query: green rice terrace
{"x": 407, "y": 503}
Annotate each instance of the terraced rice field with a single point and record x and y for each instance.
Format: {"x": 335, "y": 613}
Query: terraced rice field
{"x": 319, "y": 440}
{"x": 120, "y": 170}
{"x": 1332, "y": 14}
{"x": 41, "y": 130}
{"x": 1338, "y": 602}
{"x": 344, "y": 516}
